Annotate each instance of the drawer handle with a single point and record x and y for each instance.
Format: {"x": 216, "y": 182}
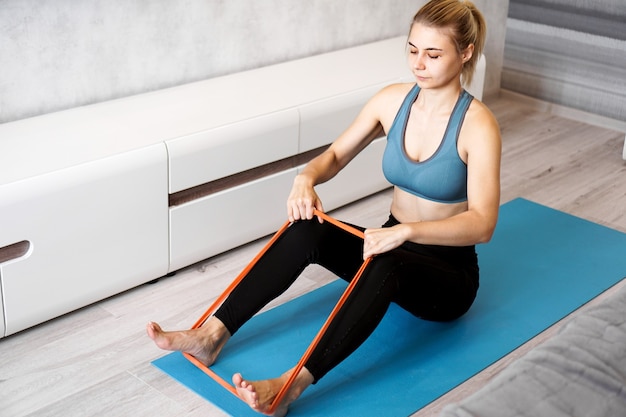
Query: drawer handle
{"x": 14, "y": 251}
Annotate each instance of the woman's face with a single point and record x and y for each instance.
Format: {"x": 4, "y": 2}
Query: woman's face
{"x": 433, "y": 57}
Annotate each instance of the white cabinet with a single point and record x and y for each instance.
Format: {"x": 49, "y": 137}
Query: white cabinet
{"x": 227, "y": 150}
{"x": 98, "y": 199}
{"x": 95, "y": 230}
{"x": 230, "y": 218}
{"x": 322, "y": 121}
{"x": 2, "y": 328}
{"x": 361, "y": 177}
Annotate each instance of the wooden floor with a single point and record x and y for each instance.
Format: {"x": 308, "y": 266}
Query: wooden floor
{"x": 96, "y": 361}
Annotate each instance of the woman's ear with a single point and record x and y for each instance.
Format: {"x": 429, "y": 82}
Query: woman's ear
{"x": 466, "y": 55}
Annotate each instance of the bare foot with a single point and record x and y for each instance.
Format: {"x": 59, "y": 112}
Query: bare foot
{"x": 204, "y": 343}
{"x": 259, "y": 395}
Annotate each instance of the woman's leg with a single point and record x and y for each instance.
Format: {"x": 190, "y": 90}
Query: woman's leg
{"x": 383, "y": 281}
{"x": 303, "y": 243}
{"x": 438, "y": 288}
{"x": 358, "y": 317}
{"x": 429, "y": 287}
{"x": 361, "y": 313}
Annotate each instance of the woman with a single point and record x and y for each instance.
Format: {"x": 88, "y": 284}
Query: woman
{"x": 443, "y": 157}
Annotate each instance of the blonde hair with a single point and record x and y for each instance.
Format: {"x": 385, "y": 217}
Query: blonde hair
{"x": 466, "y": 25}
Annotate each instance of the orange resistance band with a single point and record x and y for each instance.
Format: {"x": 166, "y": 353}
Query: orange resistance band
{"x": 284, "y": 389}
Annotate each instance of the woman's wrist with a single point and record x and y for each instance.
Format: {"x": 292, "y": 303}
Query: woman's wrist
{"x": 303, "y": 180}
{"x": 408, "y": 231}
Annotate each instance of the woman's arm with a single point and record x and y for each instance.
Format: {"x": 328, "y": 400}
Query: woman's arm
{"x": 482, "y": 143}
{"x": 367, "y": 126}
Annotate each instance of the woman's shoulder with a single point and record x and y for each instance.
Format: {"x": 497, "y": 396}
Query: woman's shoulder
{"x": 396, "y": 90}
{"x": 479, "y": 115}
{"x": 386, "y": 103}
{"x": 480, "y": 128}
{"x": 392, "y": 95}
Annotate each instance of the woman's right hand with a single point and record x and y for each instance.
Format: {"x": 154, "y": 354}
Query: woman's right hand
{"x": 303, "y": 200}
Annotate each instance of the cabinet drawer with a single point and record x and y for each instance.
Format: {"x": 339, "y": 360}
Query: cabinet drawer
{"x": 363, "y": 176}
{"x": 219, "y": 222}
{"x": 94, "y": 230}
{"x": 322, "y": 121}
{"x": 213, "y": 154}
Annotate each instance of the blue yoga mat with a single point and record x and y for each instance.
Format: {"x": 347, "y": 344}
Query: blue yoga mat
{"x": 541, "y": 265}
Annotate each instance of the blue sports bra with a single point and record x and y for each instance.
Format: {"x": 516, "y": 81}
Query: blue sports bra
{"x": 443, "y": 176}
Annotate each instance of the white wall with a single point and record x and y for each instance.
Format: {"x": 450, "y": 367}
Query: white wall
{"x": 58, "y": 54}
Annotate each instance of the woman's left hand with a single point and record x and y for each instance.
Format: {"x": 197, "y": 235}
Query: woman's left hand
{"x": 382, "y": 240}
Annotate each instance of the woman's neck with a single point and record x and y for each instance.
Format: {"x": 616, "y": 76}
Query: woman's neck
{"x": 437, "y": 100}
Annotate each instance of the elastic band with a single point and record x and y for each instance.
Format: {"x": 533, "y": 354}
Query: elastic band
{"x": 285, "y": 388}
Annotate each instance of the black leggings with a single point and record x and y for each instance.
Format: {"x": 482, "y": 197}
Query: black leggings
{"x": 436, "y": 283}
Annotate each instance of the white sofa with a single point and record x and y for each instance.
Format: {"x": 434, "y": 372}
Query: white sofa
{"x": 99, "y": 199}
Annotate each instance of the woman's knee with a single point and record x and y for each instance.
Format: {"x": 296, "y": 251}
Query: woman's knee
{"x": 437, "y": 303}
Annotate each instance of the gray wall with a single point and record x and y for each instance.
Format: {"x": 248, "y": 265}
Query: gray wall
{"x": 58, "y": 54}
{"x": 571, "y": 53}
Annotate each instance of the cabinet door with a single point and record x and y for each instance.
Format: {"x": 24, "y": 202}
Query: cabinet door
{"x": 322, "y": 121}
{"x": 230, "y": 218}
{"x": 216, "y": 153}
{"x": 2, "y": 328}
{"x": 363, "y": 176}
{"x": 94, "y": 230}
